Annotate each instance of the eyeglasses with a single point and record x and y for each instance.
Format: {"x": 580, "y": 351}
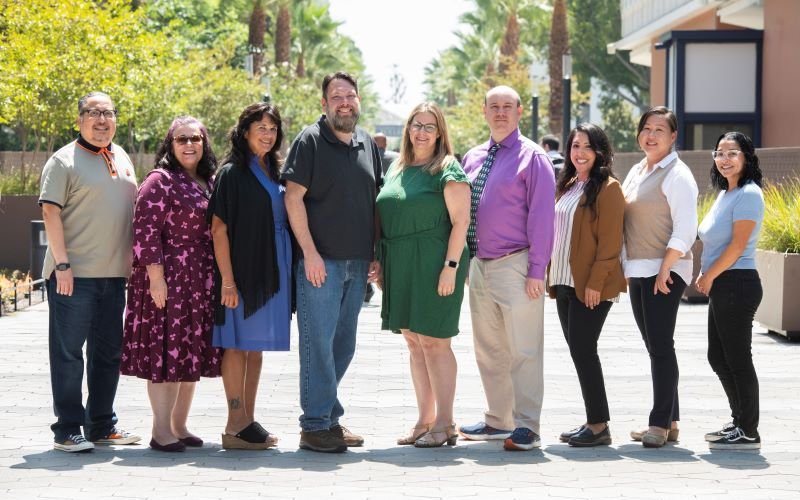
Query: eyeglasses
{"x": 186, "y": 139}
{"x": 94, "y": 114}
{"x": 427, "y": 127}
{"x": 730, "y": 154}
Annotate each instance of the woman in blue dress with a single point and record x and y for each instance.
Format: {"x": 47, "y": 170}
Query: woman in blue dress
{"x": 253, "y": 250}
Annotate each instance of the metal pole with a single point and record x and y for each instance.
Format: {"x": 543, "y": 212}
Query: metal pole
{"x": 566, "y": 62}
{"x": 535, "y": 118}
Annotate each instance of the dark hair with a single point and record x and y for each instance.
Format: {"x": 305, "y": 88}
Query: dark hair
{"x": 752, "y": 169}
{"x": 601, "y": 169}
{"x": 551, "y": 142}
{"x": 339, "y": 75}
{"x": 239, "y": 153}
{"x": 165, "y": 156}
{"x": 82, "y": 100}
{"x": 661, "y": 111}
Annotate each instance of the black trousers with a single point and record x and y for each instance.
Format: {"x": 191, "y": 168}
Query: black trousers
{"x": 655, "y": 316}
{"x": 582, "y": 327}
{"x": 734, "y": 298}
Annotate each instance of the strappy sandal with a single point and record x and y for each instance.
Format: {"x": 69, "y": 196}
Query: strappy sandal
{"x": 252, "y": 437}
{"x": 415, "y": 433}
{"x": 436, "y": 438}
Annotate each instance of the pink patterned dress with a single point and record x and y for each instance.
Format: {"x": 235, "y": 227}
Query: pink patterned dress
{"x": 172, "y": 344}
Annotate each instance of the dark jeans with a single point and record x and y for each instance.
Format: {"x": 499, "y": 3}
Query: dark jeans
{"x": 655, "y": 316}
{"x": 582, "y": 327}
{"x": 734, "y": 298}
{"x": 91, "y": 315}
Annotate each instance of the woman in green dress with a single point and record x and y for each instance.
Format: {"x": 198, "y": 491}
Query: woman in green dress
{"x": 424, "y": 214}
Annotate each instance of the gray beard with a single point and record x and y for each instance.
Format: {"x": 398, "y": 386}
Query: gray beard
{"x": 346, "y": 124}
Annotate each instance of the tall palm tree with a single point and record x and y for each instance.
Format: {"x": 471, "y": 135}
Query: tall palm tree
{"x": 255, "y": 38}
{"x": 283, "y": 34}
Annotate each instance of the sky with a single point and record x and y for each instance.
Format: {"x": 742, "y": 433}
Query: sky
{"x": 408, "y": 33}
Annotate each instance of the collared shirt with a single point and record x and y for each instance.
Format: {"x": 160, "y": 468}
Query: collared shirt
{"x": 96, "y": 191}
{"x": 342, "y": 182}
{"x": 680, "y": 189}
{"x": 517, "y": 206}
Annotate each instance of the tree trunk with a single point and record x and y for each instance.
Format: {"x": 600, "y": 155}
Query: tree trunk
{"x": 283, "y": 35}
{"x": 510, "y": 45}
{"x": 255, "y": 38}
{"x": 559, "y": 44}
{"x": 300, "y": 70}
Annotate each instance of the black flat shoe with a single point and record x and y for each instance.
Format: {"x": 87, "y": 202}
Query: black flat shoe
{"x": 564, "y": 437}
{"x": 586, "y": 438}
{"x": 169, "y": 448}
{"x": 192, "y": 441}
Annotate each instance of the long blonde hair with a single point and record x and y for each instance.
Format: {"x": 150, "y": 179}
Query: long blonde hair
{"x": 443, "y": 152}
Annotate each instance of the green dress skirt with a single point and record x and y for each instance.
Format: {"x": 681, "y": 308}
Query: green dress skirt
{"x": 416, "y": 229}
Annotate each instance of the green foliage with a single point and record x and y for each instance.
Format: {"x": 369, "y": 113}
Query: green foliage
{"x": 593, "y": 25}
{"x": 780, "y": 230}
{"x": 619, "y": 124}
{"x": 704, "y": 204}
{"x": 163, "y": 59}
{"x": 18, "y": 181}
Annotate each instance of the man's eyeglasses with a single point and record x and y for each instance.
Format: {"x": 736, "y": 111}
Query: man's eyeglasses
{"x": 94, "y": 114}
{"x": 427, "y": 127}
{"x": 184, "y": 139}
{"x": 730, "y": 154}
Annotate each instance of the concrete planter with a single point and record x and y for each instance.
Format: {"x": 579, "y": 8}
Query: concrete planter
{"x": 780, "y": 277}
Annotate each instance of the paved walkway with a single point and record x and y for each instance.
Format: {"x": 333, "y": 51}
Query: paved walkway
{"x": 380, "y": 404}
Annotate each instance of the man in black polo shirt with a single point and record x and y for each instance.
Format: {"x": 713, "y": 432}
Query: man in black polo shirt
{"x": 333, "y": 172}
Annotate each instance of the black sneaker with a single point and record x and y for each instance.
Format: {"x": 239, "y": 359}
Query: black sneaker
{"x": 736, "y": 440}
{"x": 325, "y": 441}
{"x": 75, "y": 443}
{"x": 349, "y": 438}
{"x": 716, "y": 436}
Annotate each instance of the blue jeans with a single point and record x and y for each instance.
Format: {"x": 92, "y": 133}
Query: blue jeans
{"x": 92, "y": 315}
{"x": 326, "y": 321}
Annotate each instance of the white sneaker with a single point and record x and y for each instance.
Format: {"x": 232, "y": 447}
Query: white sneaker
{"x": 73, "y": 444}
{"x": 118, "y": 436}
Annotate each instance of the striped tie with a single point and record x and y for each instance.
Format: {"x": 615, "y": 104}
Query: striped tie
{"x": 477, "y": 191}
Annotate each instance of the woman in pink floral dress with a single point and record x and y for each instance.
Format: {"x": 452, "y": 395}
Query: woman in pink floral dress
{"x": 170, "y": 309}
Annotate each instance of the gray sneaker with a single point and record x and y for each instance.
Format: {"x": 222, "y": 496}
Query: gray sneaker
{"x": 325, "y": 441}
{"x": 75, "y": 443}
{"x": 118, "y": 436}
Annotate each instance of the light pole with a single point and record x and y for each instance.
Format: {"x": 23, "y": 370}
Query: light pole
{"x": 566, "y": 64}
{"x": 534, "y": 104}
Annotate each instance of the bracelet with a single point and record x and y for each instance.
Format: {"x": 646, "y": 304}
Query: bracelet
{"x": 229, "y": 286}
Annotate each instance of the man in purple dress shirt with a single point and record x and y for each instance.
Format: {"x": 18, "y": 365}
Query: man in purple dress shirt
{"x": 514, "y": 230}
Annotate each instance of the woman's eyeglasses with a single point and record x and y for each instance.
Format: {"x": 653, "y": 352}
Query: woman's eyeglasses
{"x": 730, "y": 154}
{"x": 186, "y": 139}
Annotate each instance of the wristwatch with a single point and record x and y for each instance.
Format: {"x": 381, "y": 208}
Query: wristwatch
{"x": 62, "y": 267}
{"x": 451, "y": 263}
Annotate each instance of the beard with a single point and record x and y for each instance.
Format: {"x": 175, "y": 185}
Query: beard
{"x": 346, "y": 124}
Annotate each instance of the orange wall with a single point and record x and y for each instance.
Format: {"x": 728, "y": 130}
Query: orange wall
{"x": 705, "y": 21}
{"x": 780, "y": 100}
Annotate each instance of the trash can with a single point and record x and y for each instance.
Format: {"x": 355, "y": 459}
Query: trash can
{"x": 38, "y": 248}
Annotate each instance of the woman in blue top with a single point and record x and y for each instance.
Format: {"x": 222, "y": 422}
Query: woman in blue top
{"x": 253, "y": 252}
{"x": 728, "y": 276}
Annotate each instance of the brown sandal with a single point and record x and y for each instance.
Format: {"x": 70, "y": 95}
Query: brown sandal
{"x": 415, "y": 433}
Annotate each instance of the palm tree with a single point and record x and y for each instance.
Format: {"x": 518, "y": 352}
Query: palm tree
{"x": 255, "y": 39}
{"x": 283, "y": 34}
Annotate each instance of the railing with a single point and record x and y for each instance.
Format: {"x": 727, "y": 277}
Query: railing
{"x": 26, "y": 290}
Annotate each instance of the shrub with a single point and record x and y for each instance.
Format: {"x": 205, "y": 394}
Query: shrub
{"x": 780, "y": 230}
